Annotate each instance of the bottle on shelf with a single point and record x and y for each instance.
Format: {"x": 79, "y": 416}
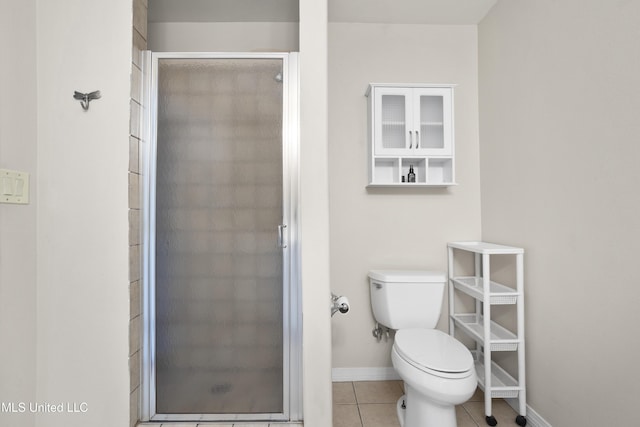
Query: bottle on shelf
{"x": 412, "y": 176}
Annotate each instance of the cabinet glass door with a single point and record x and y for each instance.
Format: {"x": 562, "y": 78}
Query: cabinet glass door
{"x": 433, "y": 120}
{"x": 393, "y": 120}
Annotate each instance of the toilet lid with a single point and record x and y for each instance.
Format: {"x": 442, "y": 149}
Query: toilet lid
{"x": 434, "y": 350}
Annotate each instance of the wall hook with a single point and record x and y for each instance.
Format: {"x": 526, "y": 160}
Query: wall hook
{"x": 85, "y": 98}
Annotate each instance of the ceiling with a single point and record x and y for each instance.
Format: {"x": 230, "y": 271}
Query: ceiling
{"x": 410, "y": 11}
{"x": 369, "y": 11}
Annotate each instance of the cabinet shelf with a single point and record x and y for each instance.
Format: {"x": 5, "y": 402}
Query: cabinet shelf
{"x": 431, "y": 171}
{"x": 498, "y": 294}
{"x": 411, "y": 124}
{"x": 410, "y": 185}
{"x": 503, "y": 385}
{"x": 501, "y": 339}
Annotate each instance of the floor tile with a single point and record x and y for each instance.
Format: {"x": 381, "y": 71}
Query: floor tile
{"x": 505, "y": 415}
{"x": 346, "y": 416}
{"x": 379, "y": 415}
{"x": 373, "y": 404}
{"x": 343, "y": 393}
{"x": 378, "y": 391}
{"x": 463, "y": 418}
{"x": 478, "y": 396}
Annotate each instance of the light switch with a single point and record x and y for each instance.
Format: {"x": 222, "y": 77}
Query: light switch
{"x": 7, "y": 188}
{"x": 19, "y": 188}
{"x": 14, "y": 187}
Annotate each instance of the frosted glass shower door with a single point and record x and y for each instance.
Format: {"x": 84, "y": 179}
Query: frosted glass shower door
{"x": 219, "y": 263}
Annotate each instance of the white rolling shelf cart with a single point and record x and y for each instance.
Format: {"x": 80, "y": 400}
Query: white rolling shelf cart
{"x": 489, "y": 335}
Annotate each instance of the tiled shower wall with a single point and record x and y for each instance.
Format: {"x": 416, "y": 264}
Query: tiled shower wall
{"x": 139, "y": 45}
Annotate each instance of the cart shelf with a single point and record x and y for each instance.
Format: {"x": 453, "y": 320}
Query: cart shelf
{"x": 473, "y": 286}
{"x": 489, "y": 335}
{"x": 501, "y": 339}
{"x": 503, "y": 385}
{"x": 486, "y": 248}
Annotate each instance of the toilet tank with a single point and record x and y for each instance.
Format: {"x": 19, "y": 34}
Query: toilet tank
{"x": 407, "y": 298}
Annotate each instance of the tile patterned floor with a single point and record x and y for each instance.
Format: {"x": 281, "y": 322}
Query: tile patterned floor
{"x": 186, "y": 424}
{"x": 373, "y": 404}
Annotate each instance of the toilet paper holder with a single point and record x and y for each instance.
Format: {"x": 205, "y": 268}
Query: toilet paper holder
{"x": 339, "y": 303}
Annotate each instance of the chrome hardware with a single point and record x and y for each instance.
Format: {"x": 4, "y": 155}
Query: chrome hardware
{"x": 281, "y": 243}
{"x": 380, "y": 331}
{"x": 410, "y": 139}
{"x": 417, "y": 139}
{"x": 339, "y": 304}
{"x": 85, "y": 98}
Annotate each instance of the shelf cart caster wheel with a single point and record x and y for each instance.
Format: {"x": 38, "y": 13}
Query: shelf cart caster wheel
{"x": 521, "y": 421}
{"x": 491, "y": 420}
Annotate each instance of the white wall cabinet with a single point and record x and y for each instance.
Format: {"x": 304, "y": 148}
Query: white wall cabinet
{"x": 488, "y": 334}
{"x": 411, "y": 126}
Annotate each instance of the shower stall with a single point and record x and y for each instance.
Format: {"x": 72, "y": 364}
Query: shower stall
{"x": 221, "y": 296}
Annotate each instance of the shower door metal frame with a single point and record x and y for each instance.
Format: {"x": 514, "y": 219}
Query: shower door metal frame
{"x": 292, "y": 315}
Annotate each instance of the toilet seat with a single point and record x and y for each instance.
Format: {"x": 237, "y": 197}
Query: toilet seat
{"x": 435, "y": 352}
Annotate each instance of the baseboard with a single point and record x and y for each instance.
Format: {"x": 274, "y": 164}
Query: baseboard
{"x": 533, "y": 418}
{"x": 363, "y": 374}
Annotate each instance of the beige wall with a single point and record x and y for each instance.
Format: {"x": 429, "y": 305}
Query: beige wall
{"x": 559, "y": 114}
{"x": 18, "y": 137}
{"x": 223, "y": 36}
{"x": 82, "y": 240}
{"x": 393, "y": 228}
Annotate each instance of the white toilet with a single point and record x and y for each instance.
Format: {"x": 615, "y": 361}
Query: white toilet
{"x": 437, "y": 370}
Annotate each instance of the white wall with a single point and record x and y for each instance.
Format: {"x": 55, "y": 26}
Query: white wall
{"x": 82, "y": 230}
{"x": 314, "y": 226}
{"x": 18, "y": 103}
{"x": 82, "y": 240}
{"x": 223, "y": 36}
{"x": 559, "y": 115}
{"x": 393, "y": 228}
{"x": 310, "y": 35}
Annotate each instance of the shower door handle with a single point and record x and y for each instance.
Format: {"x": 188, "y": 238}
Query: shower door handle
{"x": 281, "y": 243}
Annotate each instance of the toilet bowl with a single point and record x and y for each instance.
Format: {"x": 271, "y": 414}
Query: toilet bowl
{"x": 438, "y": 371}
